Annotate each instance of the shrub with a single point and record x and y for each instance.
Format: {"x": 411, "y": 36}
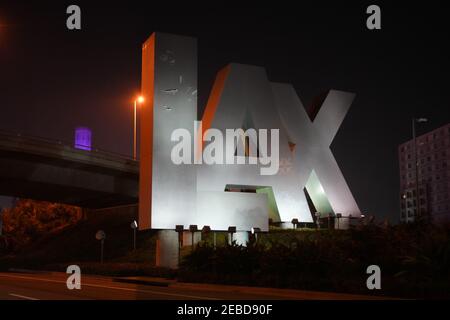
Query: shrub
{"x": 414, "y": 260}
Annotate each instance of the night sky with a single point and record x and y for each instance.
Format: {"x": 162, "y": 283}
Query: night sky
{"x": 53, "y": 79}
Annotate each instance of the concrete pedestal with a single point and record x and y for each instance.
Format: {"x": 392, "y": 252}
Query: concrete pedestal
{"x": 287, "y": 225}
{"x": 167, "y": 249}
{"x": 341, "y": 223}
{"x": 187, "y": 238}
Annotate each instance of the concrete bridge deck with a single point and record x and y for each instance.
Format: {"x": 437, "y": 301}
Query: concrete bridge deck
{"x": 41, "y": 169}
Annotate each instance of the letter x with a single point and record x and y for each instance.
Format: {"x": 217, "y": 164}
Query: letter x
{"x": 312, "y": 141}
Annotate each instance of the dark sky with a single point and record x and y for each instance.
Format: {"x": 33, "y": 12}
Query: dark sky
{"x": 53, "y": 79}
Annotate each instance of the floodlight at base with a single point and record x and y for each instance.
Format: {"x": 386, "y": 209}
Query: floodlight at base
{"x": 240, "y": 238}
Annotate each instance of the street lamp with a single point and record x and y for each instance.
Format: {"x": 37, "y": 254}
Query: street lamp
{"x": 140, "y": 100}
{"x": 405, "y": 204}
{"x": 134, "y": 226}
{"x": 101, "y": 235}
{"x": 416, "y": 166}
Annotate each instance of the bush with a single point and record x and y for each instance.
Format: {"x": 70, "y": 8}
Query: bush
{"x": 414, "y": 260}
{"x": 31, "y": 220}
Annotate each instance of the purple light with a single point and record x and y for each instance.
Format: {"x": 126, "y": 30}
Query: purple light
{"x": 83, "y": 138}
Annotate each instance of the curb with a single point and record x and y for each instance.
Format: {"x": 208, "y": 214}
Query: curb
{"x": 14, "y": 270}
{"x": 153, "y": 283}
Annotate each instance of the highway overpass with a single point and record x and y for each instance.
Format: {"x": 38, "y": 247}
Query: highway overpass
{"x": 41, "y": 169}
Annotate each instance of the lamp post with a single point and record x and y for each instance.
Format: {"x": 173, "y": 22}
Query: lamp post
{"x": 101, "y": 235}
{"x": 405, "y": 204}
{"x": 416, "y": 161}
{"x": 139, "y": 100}
{"x": 134, "y": 226}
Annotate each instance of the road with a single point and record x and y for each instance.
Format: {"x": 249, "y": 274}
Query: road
{"x": 52, "y": 286}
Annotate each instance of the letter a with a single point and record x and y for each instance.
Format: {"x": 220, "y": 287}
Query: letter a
{"x": 374, "y": 280}
{"x": 374, "y": 20}
{"x": 181, "y": 152}
{"x": 74, "y": 20}
{"x": 74, "y": 280}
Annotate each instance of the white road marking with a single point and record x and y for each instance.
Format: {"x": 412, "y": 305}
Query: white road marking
{"x": 22, "y": 297}
{"x": 114, "y": 288}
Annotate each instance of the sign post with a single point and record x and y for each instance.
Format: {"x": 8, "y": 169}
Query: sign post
{"x": 101, "y": 235}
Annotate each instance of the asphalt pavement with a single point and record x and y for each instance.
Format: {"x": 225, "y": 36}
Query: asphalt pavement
{"x": 52, "y": 286}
